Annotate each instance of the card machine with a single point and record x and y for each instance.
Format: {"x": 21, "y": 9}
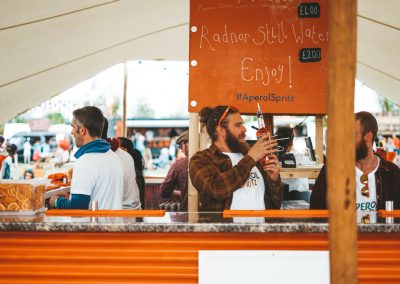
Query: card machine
{"x": 288, "y": 161}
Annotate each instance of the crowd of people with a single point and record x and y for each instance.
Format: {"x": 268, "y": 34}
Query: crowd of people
{"x": 230, "y": 174}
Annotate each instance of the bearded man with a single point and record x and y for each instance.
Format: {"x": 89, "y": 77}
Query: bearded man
{"x": 228, "y": 175}
{"x": 377, "y": 180}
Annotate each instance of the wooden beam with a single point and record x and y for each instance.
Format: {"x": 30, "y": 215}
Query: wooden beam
{"x": 340, "y": 154}
{"x": 319, "y": 138}
{"x": 193, "y": 205}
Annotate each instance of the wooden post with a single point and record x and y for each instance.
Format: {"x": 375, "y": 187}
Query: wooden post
{"x": 124, "y": 130}
{"x": 193, "y": 205}
{"x": 319, "y": 138}
{"x": 340, "y": 154}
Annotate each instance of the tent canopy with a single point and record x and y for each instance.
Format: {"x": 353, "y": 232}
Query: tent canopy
{"x": 47, "y": 46}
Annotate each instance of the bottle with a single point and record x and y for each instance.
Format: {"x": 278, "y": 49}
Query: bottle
{"x": 261, "y": 129}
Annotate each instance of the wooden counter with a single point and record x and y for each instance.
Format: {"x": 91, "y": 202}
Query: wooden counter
{"x": 64, "y": 249}
{"x": 310, "y": 172}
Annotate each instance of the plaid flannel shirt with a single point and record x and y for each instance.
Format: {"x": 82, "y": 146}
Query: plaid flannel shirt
{"x": 215, "y": 179}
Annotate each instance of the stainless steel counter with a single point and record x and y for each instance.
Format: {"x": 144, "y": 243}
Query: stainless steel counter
{"x": 182, "y": 222}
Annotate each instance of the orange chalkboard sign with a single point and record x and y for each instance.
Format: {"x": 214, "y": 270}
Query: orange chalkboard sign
{"x": 269, "y": 51}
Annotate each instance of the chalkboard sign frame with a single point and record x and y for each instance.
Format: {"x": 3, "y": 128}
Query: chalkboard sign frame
{"x": 233, "y": 62}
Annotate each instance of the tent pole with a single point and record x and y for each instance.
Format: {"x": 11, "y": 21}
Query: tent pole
{"x": 193, "y": 205}
{"x": 341, "y": 150}
{"x": 124, "y": 129}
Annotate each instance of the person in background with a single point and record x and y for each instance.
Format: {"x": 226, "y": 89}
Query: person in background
{"x": 163, "y": 160}
{"x": 1, "y": 144}
{"x": 3, "y": 152}
{"x": 148, "y": 158}
{"x": 377, "y": 180}
{"x": 173, "y": 136}
{"x": 28, "y": 174}
{"x": 127, "y": 145}
{"x": 98, "y": 173}
{"x": 396, "y": 143}
{"x": 45, "y": 151}
{"x": 36, "y": 151}
{"x": 5, "y": 172}
{"x": 228, "y": 175}
{"x": 131, "y": 196}
{"x": 27, "y": 151}
{"x": 176, "y": 182}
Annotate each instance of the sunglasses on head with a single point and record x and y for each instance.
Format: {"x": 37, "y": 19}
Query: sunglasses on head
{"x": 223, "y": 115}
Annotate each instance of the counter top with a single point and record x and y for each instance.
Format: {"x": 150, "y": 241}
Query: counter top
{"x": 182, "y": 222}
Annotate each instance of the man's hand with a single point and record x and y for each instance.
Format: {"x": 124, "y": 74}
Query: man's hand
{"x": 52, "y": 200}
{"x": 272, "y": 167}
{"x": 263, "y": 147}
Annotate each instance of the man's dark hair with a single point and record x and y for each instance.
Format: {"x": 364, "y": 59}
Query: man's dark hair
{"x": 210, "y": 117}
{"x": 368, "y": 123}
{"x": 11, "y": 149}
{"x": 139, "y": 165}
{"x": 91, "y": 118}
{"x": 1, "y": 140}
{"x": 105, "y": 129}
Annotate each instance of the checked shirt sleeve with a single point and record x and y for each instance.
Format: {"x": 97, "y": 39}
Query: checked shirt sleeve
{"x": 216, "y": 177}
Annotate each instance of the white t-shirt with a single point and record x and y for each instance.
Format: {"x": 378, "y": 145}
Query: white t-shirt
{"x": 99, "y": 175}
{"x": 131, "y": 197}
{"x": 366, "y": 207}
{"x": 27, "y": 149}
{"x": 6, "y": 161}
{"x": 251, "y": 195}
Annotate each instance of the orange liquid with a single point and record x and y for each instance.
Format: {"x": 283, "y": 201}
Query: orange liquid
{"x": 390, "y": 156}
{"x": 260, "y": 132}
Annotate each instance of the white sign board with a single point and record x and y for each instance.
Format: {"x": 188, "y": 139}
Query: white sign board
{"x": 256, "y": 267}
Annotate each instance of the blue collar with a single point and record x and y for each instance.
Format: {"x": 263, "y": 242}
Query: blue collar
{"x": 96, "y": 146}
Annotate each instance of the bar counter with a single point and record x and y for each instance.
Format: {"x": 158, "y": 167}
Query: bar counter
{"x": 165, "y": 249}
{"x": 182, "y": 223}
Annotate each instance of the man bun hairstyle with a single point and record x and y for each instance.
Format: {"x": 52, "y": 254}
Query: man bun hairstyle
{"x": 210, "y": 117}
{"x": 368, "y": 123}
{"x": 91, "y": 118}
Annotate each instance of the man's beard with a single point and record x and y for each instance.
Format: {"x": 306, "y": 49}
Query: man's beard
{"x": 361, "y": 150}
{"x": 235, "y": 144}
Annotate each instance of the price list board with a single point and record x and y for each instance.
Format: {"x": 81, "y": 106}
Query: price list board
{"x": 272, "y": 52}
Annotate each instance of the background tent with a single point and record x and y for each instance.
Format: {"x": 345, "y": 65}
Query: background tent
{"x": 47, "y": 46}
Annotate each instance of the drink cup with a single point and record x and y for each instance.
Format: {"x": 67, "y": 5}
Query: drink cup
{"x": 391, "y": 156}
{"x": 261, "y": 132}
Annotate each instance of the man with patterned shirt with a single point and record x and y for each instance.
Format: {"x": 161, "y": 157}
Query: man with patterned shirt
{"x": 228, "y": 175}
{"x": 377, "y": 180}
{"x": 176, "y": 182}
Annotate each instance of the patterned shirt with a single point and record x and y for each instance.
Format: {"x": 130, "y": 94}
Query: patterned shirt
{"x": 177, "y": 178}
{"x": 215, "y": 179}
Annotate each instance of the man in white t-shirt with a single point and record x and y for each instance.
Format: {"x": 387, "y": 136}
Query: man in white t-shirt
{"x": 377, "y": 180}
{"x": 27, "y": 151}
{"x": 98, "y": 173}
{"x": 131, "y": 196}
{"x": 228, "y": 175}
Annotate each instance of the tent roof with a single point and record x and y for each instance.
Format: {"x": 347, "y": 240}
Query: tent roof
{"x": 51, "y": 45}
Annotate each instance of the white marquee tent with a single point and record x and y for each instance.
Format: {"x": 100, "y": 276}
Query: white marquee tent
{"x": 48, "y": 46}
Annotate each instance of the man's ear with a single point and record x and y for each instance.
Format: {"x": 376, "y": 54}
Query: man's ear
{"x": 221, "y": 132}
{"x": 83, "y": 130}
{"x": 368, "y": 137}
